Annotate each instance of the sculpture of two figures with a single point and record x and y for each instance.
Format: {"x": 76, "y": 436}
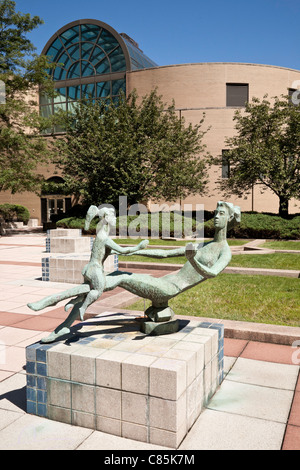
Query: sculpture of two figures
{"x": 203, "y": 262}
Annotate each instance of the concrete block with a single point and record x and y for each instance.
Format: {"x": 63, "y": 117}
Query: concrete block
{"x": 108, "y": 369}
{"x": 168, "y": 378}
{"x": 83, "y": 397}
{"x": 108, "y": 425}
{"x": 122, "y": 382}
{"x": 135, "y": 373}
{"x": 108, "y": 403}
{"x": 134, "y": 408}
{"x": 134, "y": 431}
{"x": 59, "y": 393}
{"x": 169, "y": 415}
{"x": 83, "y": 365}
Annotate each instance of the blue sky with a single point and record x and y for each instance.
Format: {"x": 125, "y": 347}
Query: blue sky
{"x": 189, "y": 31}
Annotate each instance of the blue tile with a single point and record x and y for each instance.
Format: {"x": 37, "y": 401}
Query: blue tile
{"x": 41, "y": 353}
{"x": 31, "y": 351}
{"x": 42, "y": 410}
{"x": 41, "y": 396}
{"x": 31, "y": 407}
{"x": 31, "y": 380}
{"x": 31, "y": 394}
{"x": 41, "y": 368}
{"x": 42, "y": 383}
{"x": 30, "y": 367}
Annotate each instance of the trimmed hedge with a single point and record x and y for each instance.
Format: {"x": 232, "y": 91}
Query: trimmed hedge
{"x": 260, "y": 225}
{"x": 11, "y": 212}
{"x": 253, "y": 225}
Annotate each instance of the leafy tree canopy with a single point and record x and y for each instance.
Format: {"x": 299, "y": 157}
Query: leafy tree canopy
{"x": 139, "y": 149}
{"x": 265, "y": 150}
{"x": 22, "y": 72}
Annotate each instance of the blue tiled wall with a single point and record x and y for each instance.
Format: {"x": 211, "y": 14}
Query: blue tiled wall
{"x": 36, "y": 373}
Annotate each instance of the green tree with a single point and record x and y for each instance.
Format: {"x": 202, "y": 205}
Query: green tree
{"x": 22, "y": 73}
{"x": 141, "y": 150}
{"x": 265, "y": 150}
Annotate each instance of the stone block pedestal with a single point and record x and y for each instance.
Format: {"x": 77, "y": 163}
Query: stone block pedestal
{"x": 68, "y": 267}
{"x": 70, "y": 252}
{"x": 115, "y": 379}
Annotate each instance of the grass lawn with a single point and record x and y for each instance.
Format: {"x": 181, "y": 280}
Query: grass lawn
{"x": 282, "y": 245}
{"x": 260, "y": 299}
{"x": 271, "y": 261}
{"x": 159, "y": 241}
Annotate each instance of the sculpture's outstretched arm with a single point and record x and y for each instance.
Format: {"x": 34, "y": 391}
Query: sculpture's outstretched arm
{"x": 205, "y": 271}
{"x": 117, "y": 249}
{"x": 162, "y": 253}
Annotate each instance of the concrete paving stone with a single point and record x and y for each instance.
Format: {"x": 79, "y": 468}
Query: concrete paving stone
{"x": 13, "y": 359}
{"x": 24, "y": 298}
{"x": 8, "y": 306}
{"x": 13, "y": 393}
{"x": 102, "y": 441}
{"x": 8, "y": 417}
{"x": 234, "y": 347}
{"x": 24, "y": 310}
{"x": 252, "y": 400}
{"x": 298, "y": 384}
{"x": 218, "y": 430}
{"x": 228, "y": 363}
{"x": 294, "y": 417}
{"x": 291, "y": 438}
{"x": 10, "y": 318}
{"x": 39, "y": 323}
{"x": 12, "y": 336}
{"x": 32, "y": 339}
{"x": 268, "y": 374}
{"x": 35, "y": 433}
{"x": 5, "y": 374}
{"x": 268, "y": 352}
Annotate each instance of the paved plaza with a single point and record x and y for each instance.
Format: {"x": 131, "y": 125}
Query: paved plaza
{"x": 256, "y": 407}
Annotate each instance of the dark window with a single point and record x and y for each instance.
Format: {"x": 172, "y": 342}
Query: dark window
{"x": 225, "y": 164}
{"x": 237, "y": 94}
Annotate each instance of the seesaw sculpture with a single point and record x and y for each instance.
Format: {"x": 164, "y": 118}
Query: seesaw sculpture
{"x": 203, "y": 262}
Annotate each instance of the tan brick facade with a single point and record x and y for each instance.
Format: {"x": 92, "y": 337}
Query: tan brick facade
{"x": 197, "y": 89}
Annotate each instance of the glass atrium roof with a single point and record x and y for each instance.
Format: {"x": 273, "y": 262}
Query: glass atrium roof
{"x": 91, "y": 60}
{"x": 91, "y": 48}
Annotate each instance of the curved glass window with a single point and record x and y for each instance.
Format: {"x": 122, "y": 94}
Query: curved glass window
{"x": 86, "y": 50}
{"x": 91, "y": 61}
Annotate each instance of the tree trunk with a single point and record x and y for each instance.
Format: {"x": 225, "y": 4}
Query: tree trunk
{"x": 283, "y": 206}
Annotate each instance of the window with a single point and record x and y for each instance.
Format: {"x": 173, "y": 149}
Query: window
{"x": 237, "y": 94}
{"x": 91, "y": 60}
{"x": 225, "y": 164}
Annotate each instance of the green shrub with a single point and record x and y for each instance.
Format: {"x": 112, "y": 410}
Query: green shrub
{"x": 11, "y": 212}
{"x": 253, "y": 225}
{"x": 260, "y": 225}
